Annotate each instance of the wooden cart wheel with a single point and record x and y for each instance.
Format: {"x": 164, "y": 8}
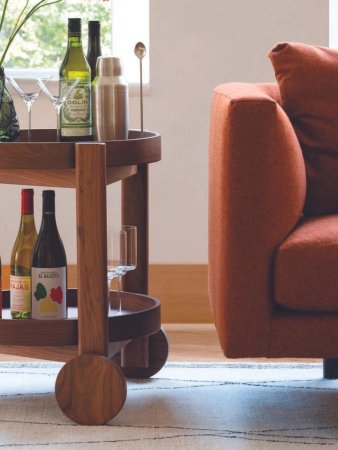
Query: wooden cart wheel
{"x": 90, "y": 389}
{"x": 158, "y": 354}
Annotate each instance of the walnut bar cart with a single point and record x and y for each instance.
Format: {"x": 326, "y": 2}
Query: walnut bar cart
{"x": 99, "y": 349}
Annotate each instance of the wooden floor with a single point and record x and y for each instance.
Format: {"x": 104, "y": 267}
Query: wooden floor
{"x": 198, "y": 342}
{"x": 193, "y": 342}
{"x": 188, "y": 342}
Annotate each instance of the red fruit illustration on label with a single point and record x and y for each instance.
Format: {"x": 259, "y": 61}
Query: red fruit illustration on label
{"x": 56, "y": 295}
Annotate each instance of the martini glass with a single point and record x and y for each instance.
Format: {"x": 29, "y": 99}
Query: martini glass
{"x": 57, "y": 90}
{"x": 29, "y": 90}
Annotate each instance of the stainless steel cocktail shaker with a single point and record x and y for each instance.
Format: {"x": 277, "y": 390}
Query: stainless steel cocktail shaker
{"x": 110, "y": 100}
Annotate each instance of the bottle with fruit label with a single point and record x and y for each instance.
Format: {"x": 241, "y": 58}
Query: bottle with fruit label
{"x": 49, "y": 267}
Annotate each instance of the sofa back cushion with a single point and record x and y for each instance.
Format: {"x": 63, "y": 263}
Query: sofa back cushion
{"x": 308, "y": 81}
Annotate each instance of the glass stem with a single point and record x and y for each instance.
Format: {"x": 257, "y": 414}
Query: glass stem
{"x": 108, "y": 296}
{"x": 58, "y": 122}
{"x": 119, "y": 299}
{"x": 29, "y": 108}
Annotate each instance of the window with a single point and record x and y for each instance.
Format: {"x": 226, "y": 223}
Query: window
{"x": 333, "y": 21}
{"x": 123, "y": 23}
{"x": 130, "y": 24}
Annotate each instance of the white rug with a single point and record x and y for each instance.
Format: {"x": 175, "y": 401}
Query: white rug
{"x": 185, "y": 406}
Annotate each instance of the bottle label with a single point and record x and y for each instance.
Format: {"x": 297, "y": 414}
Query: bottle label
{"x": 49, "y": 293}
{"x": 76, "y": 118}
{"x": 20, "y": 293}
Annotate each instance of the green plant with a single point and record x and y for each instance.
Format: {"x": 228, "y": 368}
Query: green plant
{"x": 14, "y": 26}
{"x": 47, "y": 31}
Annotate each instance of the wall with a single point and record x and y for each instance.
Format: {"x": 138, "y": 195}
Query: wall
{"x": 193, "y": 48}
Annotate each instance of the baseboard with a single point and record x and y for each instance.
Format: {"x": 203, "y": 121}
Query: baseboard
{"x": 183, "y": 292}
{"x": 181, "y": 288}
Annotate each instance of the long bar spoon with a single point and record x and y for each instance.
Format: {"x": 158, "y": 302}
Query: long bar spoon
{"x": 140, "y": 52}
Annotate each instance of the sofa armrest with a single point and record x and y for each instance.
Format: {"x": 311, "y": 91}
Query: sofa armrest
{"x": 256, "y": 196}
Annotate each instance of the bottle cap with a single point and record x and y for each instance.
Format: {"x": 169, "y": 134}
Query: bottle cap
{"x": 94, "y": 27}
{"x": 27, "y": 201}
{"x": 48, "y": 201}
{"x": 74, "y": 25}
{"x": 109, "y": 66}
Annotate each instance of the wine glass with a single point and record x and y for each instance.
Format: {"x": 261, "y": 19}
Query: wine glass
{"x": 57, "y": 90}
{"x": 130, "y": 260}
{"x": 122, "y": 256}
{"x": 29, "y": 90}
{"x": 116, "y": 258}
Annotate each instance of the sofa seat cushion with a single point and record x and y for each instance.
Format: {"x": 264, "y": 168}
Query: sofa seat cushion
{"x": 306, "y": 266}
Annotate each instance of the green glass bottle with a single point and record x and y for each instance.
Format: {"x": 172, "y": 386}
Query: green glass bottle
{"x": 21, "y": 260}
{"x": 76, "y": 112}
{"x": 94, "y": 45}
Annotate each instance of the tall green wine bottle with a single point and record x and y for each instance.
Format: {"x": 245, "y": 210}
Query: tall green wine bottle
{"x": 21, "y": 260}
{"x": 49, "y": 266}
{"x": 76, "y": 112}
{"x": 94, "y": 45}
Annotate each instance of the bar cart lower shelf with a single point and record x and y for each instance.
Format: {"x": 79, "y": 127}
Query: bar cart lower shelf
{"x": 91, "y": 389}
{"x": 100, "y": 350}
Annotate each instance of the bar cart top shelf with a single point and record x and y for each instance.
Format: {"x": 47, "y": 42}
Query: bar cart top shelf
{"x": 45, "y": 162}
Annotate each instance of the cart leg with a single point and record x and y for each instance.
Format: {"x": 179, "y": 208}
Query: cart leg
{"x": 158, "y": 348}
{"x": 91, "y": 389}
{"x": 137, "y": 354}
{"x": 91, "y": 218}
{"x": 135, "y": 212}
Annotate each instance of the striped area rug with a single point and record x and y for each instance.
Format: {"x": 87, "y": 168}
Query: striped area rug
{"x": 184, "y": 406}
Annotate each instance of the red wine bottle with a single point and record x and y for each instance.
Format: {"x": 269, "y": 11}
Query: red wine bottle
{"x": 94, "y": 45}
{"x": 49, "y": 267}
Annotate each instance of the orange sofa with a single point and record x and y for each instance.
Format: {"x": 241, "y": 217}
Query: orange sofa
{"x": 273, "y": 273}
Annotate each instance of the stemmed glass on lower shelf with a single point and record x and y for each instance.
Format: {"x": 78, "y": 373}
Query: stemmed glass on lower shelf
{"x": 122, "y": 256}
{"x": 57, "y": 90}
{"x": 29, "y": 90}
{"x": 131, "y": 256}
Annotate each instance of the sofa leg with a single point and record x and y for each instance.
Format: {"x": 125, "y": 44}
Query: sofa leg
{"x": 330, "y": 368}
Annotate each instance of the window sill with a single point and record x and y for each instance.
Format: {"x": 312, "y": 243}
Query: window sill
{"x": 134, "y": 87}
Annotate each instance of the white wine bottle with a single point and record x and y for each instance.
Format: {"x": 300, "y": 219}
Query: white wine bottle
{"x": 76, "y": 112}
{"x": 49, "y": 266}
{"x": 21, "y": 260}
